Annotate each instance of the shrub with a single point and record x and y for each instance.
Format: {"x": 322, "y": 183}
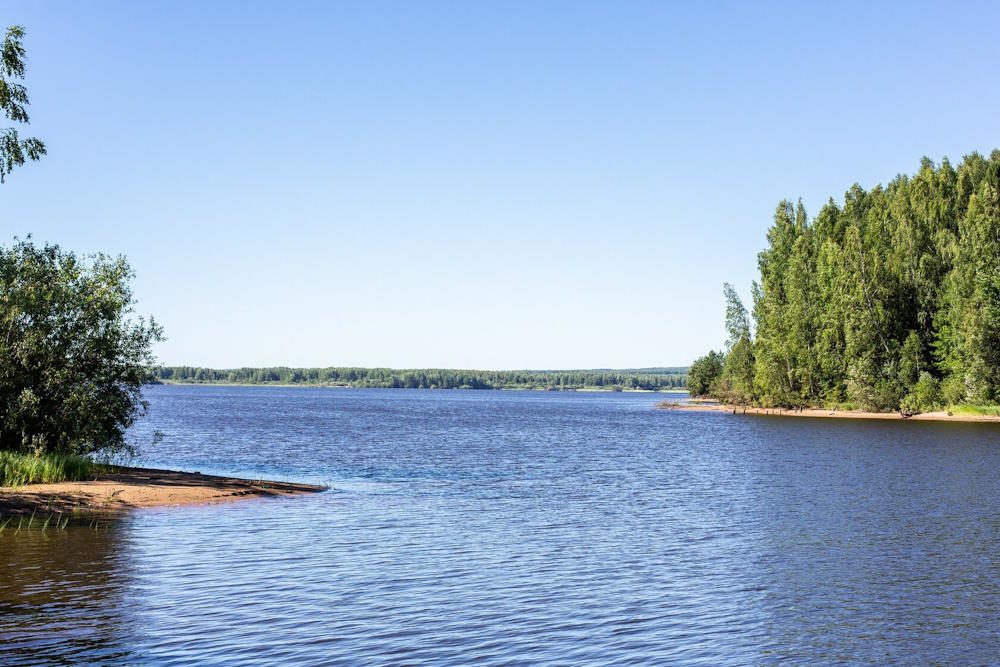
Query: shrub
{"x": 928, "y": 392}
{"x": 925, "y": 397}
{"x": 953, "y": 390}
{"x": 703, "y": 373}
{"x": 73, "y": 358}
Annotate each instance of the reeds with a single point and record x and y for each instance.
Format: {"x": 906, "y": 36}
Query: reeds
{"x": 58, "y": 521}
{"x": 18, "y": 469}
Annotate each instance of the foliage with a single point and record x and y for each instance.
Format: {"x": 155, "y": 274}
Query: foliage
{"x": 703, "y": 373}
{"x": 888, "y": 301}
{"x": 429, "y": 378}
{"x": 73, "y": 358}
{"x": 925, "y": 397}
{"x": 17, "y": 469}
{"x": 735, "y": 384}
{"x": 14, "y": 105}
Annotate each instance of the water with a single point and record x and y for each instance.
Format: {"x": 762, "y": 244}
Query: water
{"x": 526, "y": 528}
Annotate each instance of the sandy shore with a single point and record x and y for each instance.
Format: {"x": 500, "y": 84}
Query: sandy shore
{"x": 125, "y": 489}
{"x": 708, "y": 406}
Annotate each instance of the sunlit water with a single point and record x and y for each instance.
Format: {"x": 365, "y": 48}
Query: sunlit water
{"x": 477, "y": 527}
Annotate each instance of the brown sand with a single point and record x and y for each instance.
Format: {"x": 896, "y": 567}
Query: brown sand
{"x": 117, "y": 492}
{"x": 709, "y": 406}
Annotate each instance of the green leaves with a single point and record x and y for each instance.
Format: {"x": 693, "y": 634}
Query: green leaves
{"x": 73, "y": 357}
{"x": 15, "y": 151}
{"x": 12, "y": 53}
{"x": 891, "y": 301}
{"x": 703, "y": 373}
{"x": 737, "y": 320}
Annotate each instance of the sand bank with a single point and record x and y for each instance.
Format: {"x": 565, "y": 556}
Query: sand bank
{"x": 708, "y": 406}
{"x": 125, "y": 489}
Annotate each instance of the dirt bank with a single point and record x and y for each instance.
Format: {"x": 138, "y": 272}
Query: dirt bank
{"x": 125, "y": 489}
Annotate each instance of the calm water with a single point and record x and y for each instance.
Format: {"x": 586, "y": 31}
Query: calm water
{"x": 527, "y": 528}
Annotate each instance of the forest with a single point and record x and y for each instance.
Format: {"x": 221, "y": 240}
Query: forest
{"x": 650, "y": 379}
{"x": 887, "y": 301}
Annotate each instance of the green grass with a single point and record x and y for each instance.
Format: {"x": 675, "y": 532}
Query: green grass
{"x": 969, "y": 409}
{"x": 20, "y": 469}
{"x": 58, "y": 522}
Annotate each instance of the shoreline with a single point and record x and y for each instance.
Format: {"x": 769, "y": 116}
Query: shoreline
{"x": 940, "y": 416}
{"x": 115, "y": 493}
{"x": 175, "y": 383}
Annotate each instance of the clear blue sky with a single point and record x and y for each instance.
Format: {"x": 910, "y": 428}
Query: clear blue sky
{"x": 487, "y": 185}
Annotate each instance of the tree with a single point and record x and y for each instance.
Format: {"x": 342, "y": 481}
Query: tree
{"x": 773, "y": 366}
{"x": 968, "y": 335}
{"x": 14, "y": 104}
{"x": 736, "y": 380}
{"x": 737, "y": 320}
{"x": 703, "y": 373}
{"x": 73, "y": 357}
{"x": 888, "y": 301}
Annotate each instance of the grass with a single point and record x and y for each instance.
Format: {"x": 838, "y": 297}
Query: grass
{"x": 843, "y": 406}
{"x": 20, "y": 469}
{"x": 58, "y": 521}
{"x": 969, "y": 409}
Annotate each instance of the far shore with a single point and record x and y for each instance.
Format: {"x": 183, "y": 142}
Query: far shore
{"x": 320, "y": 385}
{"x": 711, "y": 406}
{"x": 121, "y": 490}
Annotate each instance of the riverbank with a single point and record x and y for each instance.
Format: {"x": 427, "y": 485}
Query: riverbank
{"x": 320, "y": 385}
{"x": 708, "y": 406}
{"x": 120, "y": 490}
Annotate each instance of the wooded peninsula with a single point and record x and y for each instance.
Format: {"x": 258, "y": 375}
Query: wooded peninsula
{"x": 889, "y": 301}
{"x": 647, "y": 379}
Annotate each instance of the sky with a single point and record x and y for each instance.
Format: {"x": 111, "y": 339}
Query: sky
{"x": 470, "y": 185}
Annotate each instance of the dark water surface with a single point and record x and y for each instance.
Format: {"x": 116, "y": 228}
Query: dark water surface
{"x": 527, "y": 528}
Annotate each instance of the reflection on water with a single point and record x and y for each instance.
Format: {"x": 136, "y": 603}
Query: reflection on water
{"x": 507, "y": 527}
{"x": 61, "y": 596}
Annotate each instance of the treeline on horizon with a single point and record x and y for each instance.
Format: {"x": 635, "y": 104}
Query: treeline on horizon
{"x": 651, "y": 379}
{"x": 888, "y": 301}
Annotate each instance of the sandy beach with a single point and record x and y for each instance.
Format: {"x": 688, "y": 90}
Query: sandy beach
{"x": 709, "y": 406}
{"x": 126, "y": 489}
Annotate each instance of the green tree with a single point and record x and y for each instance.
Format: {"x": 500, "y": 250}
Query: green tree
{"x": 968, "y": 339}
{"x": 704, "y": 372}
{"x": 888, "y": 301}
{"x": 926, "y": 395}
{"x": 73, "y": 357}
{"x": 735, "y": 383}
{"x": 14, "y": 103}
{"x": 774, "y": 371}
{"x": 911, "y": 360}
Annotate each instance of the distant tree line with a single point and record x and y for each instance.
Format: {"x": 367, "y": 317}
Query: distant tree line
{"x": 889, "y": 301}
{"x": 432, "y": 378}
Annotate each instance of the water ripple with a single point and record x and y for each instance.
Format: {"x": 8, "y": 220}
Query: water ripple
{"x": 517, "y": 528}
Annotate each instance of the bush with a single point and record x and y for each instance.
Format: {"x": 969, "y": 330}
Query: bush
{"x": 73, "y": 358}
{"x": 883, "y": 395}
{"x": 925, "y": 397}
{"x": 953, "y": 390}
{"x": 703, "y": 373}
{"x": 928, "y": 392}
